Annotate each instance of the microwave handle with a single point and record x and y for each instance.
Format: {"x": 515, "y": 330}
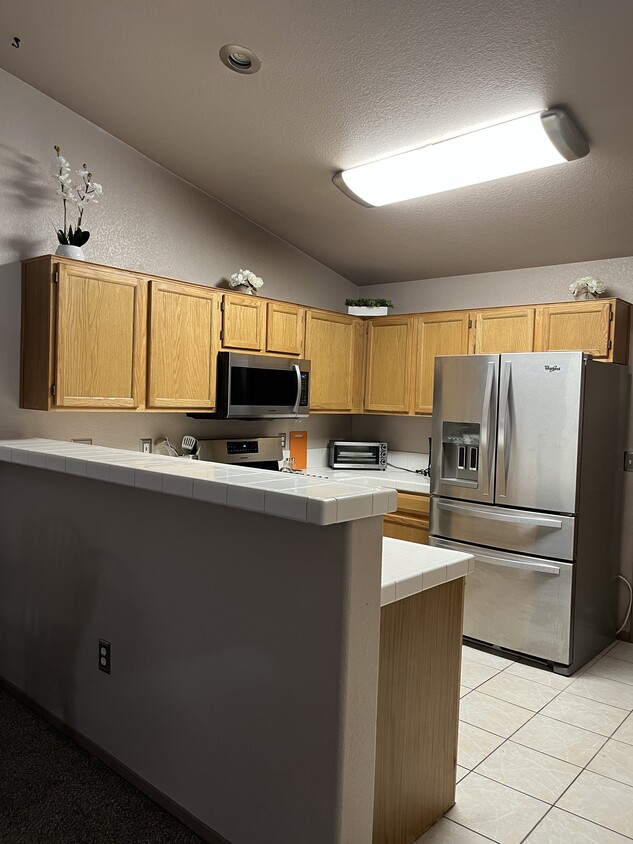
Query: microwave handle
{"x": 297, "y": 370}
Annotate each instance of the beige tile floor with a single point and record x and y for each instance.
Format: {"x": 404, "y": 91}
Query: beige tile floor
{"x": 543, "y": 759}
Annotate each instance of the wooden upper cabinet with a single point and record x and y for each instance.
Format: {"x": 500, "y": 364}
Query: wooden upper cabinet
{"x": 388, "y": 371}
{"x": 184, "y": 334}
{"x": 101, "y": 338}
{"x": 502, "y": 330}
{"x": 243, "y": 322}
{"x": 331, "y": 344}
{"x": 436, "y": 334}
{"x": 598, "y": 327}
{"x": 284, "y": 329}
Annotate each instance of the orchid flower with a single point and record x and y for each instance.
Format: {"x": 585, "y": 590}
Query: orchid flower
{"x": 80, "y": 194}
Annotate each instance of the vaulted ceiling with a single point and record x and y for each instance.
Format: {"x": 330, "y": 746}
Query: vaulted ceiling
{"x": 346, "y": 82}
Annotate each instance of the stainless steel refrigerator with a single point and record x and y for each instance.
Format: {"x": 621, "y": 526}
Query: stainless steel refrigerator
{"x": 526, "y": 475}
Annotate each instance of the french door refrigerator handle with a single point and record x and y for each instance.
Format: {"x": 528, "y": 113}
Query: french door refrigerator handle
{"x": 528, "y": 521}
{"x": 504, "y": 434}
{"x": 542, "y": 568}
{"x": 485, "y": 429}
{"x": 297, "y": 370}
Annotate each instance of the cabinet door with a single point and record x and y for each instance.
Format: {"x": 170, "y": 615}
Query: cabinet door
{"x": 411, "y": 520}
{"x": 582, "y": 326}
{"x": 184, "y": 336}
{"x": 436, "y": 334}
{"x": 330, "y": 346}
{"x": 503, "y": 330}
{"x": 284, "y": 329}
{"x": 100, "y": 338}
{"x": 244, "y": 322}
{"x": 388, "y": 379}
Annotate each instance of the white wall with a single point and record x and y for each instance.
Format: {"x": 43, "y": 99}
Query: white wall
{"x": 148, "y": 220}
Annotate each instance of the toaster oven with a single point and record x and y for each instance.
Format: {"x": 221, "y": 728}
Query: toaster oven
{"x": 357, "y": 455}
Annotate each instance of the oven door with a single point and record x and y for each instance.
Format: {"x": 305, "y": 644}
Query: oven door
{"x": 517, "y": 602}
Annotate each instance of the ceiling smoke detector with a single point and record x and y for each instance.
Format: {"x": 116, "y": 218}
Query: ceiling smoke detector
{"x": 239, "y": 59}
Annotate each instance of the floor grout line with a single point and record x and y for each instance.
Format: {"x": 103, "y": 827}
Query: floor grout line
{"x": 505, "y": 739}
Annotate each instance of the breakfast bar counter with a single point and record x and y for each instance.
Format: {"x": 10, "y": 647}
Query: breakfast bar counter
{"x": 246, "y": 621}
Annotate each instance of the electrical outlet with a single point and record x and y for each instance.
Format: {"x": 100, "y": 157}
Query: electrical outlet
{"x": 628, "y": 461}
{"x": 104, "y": 656}
{"x": 146, "y": 446}
{"x": 283, "y": 438}
{"x": 87, "y": 441}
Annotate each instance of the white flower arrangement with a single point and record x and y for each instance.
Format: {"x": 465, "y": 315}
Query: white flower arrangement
{"x": 81, "y": 195}
{"x": 245, "y": 278}
{"x": 587, "y": 286}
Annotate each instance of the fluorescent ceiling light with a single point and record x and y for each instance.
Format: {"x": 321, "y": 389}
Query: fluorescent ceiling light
{"x": 516, "y": 146}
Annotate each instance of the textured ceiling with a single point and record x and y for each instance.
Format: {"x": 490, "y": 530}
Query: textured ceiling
{"x": 346, "y": 82}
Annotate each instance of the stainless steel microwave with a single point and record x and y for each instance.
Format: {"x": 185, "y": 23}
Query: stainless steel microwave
{"x": 260, "y": 387}
{"x": 357, "y": 455}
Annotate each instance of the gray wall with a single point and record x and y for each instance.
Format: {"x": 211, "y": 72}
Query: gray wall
{"x": 512, "y": 287}
{"x": 244, "y": 674}
{"x": 148, "y": 220}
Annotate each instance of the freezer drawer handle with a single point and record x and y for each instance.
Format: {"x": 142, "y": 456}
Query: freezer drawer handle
{"x": 542, "y": 568}
{"x": 528, "y": 521}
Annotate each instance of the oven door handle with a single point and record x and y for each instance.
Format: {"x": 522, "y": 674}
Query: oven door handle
{"x": 297, "y": 370}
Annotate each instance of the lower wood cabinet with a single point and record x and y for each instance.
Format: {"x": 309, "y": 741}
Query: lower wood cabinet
{"x": 418, "y": 712}
{"x": 184, "y": 335}
{"x": 411, "y": 520}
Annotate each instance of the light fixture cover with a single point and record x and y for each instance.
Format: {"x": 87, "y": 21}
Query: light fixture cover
{"x": 525, "y": 143}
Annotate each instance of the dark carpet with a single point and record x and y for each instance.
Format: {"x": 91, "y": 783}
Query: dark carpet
{"x": 54, "y": 792}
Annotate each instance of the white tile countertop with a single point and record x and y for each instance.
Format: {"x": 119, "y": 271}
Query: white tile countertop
{"x": 409, "y": 568}
{"x": 314, "y": 500}
{"x": 398, "y": 479}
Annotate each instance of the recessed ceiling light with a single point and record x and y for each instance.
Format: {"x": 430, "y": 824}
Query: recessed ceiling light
{"x": 240, "y": 59}
{"x": 516, "y": 146}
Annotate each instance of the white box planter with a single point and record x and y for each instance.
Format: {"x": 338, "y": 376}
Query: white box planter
{"x": 364, "y": 311}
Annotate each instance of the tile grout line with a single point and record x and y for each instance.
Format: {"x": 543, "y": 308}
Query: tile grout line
{"x": 581, "y": 769}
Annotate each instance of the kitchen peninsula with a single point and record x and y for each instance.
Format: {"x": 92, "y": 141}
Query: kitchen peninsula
{"x": 242, "y": 612}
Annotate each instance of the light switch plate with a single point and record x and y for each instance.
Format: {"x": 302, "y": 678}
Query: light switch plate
{"x": 628, "y": 461}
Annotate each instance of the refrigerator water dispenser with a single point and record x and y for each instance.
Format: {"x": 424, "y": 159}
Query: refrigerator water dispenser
{"x": 460, "y": 451}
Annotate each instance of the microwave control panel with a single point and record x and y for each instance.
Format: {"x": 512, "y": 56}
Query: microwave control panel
{"x": 305, "y": 379}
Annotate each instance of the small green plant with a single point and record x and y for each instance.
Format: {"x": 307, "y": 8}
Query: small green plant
{"x": 369, "y": 303}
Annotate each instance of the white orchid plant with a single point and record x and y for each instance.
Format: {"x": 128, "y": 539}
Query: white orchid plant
{"x": 245, "y": 278}
{"x": 587, "y": 285}
{"x": 80, "y": 194}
